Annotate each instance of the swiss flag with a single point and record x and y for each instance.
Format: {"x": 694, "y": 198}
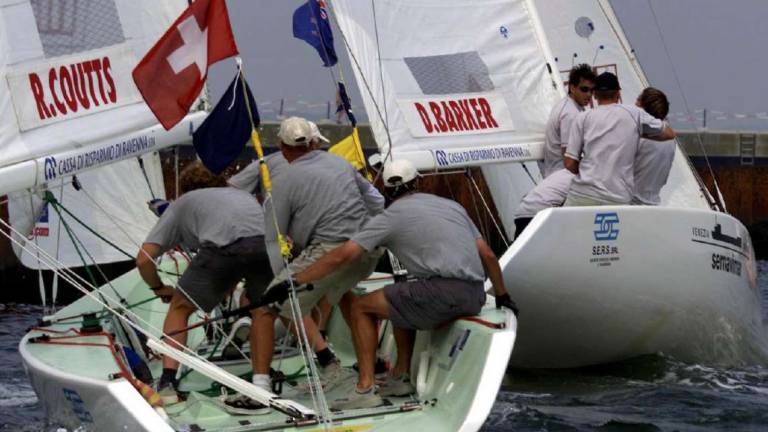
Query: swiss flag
{"x": 173, "y": 72}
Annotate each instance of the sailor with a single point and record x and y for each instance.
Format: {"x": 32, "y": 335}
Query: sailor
{"x": 581, "y": 82}
{"x": 441, "y": 248}
{"x": 608, "y": 137}
{"x": 654, "y": 159}
{"x": 550, "y": 192}
{"x": 319, "y": 202}
{"x": 226, "y": 226}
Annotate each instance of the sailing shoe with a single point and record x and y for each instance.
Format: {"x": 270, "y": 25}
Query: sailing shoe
{"x": 397, "y": 386}
{"x": 239, "y": 404}
{"x": 357, "y": 400}
{"x": 331, "y": 376}
{"x": 168, "y": 394}
{"x": 240, "y": 333}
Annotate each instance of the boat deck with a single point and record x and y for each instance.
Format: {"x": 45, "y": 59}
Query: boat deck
{"x": 451, "y": 365}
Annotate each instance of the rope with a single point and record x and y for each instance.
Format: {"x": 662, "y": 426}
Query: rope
{"x": 48, "y": 197}
{"x": 720, "y": 199}
{"x": 79, "y": 283}
{"x": 367, "y": 86}
{"x": 501, "y": 232}
{"x": 146, "y": 177}
{"x": 320, "y": 403}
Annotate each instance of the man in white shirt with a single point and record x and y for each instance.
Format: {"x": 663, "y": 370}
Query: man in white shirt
{"x": 654, "y": 158}
{"x": 551, "y": 192}
{"x": 581, "y": 83}
{"x": 608, "y": 137}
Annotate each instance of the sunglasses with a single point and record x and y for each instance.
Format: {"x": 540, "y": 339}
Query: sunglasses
{"x": 585, "y": 89}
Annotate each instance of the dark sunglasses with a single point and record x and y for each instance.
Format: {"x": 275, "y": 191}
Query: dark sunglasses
{"x": 585, "y": 89}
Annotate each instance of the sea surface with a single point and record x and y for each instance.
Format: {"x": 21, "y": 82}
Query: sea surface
{"x": 651, "y": 393}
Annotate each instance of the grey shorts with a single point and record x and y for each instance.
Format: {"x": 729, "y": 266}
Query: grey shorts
{"x": 214, "y": 271}
{"x": 427, "y": 303}
{"x": 333, "y": 286}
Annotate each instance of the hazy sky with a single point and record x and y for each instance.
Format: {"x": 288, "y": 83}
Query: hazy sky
{"x": 717, "y": 48}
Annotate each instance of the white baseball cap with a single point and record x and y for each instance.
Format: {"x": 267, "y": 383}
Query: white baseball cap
{"x": 295, "y": 132}
{"x": 399, "y": 172}
{"x": 316, "y": 132}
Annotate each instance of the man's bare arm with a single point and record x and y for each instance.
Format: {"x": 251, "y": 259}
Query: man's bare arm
{"x": 146, "y": 264}
{"x": 342, "y": 255}
{"x": 491, "y": 266}
{"x": 571, "y": 165}
{"x": 665, "y": 135}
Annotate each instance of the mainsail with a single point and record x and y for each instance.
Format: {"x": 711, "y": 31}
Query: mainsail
{"x": 68, "y": 102}
{"x": 68, "y": 105}
{"x": 444, "y": 91}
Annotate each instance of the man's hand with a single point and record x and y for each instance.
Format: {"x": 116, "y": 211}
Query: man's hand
{"x": 165, "y": 293}
{"x": 506, "y": 301}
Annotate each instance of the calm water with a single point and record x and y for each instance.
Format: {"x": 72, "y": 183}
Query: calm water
{"x": 652, "y": 393}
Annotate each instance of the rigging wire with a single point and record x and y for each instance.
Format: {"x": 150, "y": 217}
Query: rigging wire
{"x": 687, "y": 107}
{"x": 320, "y": 403}
{"x": 368, "y": 89}
{"x": 103, "y": 299}
{"x": 501, "y": 232}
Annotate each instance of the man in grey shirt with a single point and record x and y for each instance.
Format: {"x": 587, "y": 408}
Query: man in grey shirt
{"x": 608, "y": 137}
{"x": 581, "y": 83}
{"x": 319, "y": 204}
{"x": 226, "y": 227}
{"x": 438, "y": 244}
{"x": 654, "y": 158}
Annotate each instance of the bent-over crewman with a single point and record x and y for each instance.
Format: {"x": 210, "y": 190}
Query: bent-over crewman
{"x": 448, "y": 272}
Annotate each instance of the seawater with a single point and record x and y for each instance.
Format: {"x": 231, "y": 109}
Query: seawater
{"x": 651, "y": 393}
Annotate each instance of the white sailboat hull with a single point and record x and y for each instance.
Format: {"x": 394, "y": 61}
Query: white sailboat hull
{"x": 602, "y": 284}
{"x": 75, "y": 401}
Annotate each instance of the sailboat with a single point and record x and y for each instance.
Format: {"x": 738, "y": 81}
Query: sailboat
{"x": 86, "y": 361}
{"x": 452, "y": 85}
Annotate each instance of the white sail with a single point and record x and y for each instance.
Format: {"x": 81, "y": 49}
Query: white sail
{"x": 588, "y": 31}
{"x": 111, "y": 201}
{"x": 444, "y": 92}
{"x": 65, "y": 81}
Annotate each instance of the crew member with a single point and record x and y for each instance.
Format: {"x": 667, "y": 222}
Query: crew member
{"x": 226, "y": 226}
{"x": 608, "y": 137}
{"x": 319, "y": 202}
{"x": 654, "y": 159}
{"x": 550, "y": 192}
{"x": 441, "y": 248}
{"x": 581, "y": 83}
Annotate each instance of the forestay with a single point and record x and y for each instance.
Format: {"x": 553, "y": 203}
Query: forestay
{"x": 450, "y": 83}
{"x": 65, "y": 74}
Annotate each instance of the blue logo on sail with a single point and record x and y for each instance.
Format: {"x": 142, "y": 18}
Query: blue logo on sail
{"x": 49, "y": 168}
{"x": 607, "y": 226}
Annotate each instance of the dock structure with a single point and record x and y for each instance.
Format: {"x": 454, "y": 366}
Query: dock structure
{"x": 739, "y": 160}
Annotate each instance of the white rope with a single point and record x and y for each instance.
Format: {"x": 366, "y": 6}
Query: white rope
{"x": 80, "y": 284}
{"x": 217, "y": 329}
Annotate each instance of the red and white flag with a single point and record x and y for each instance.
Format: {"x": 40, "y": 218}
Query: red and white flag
{"x": 172, "y": 74}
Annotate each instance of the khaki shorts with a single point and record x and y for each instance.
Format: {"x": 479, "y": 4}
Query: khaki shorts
{"x": 334, "y": 286}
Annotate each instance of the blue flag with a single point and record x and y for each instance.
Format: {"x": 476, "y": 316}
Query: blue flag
{"x": 345, "y": 105}
{"x": 222, "y": 136}
{"x": 310, "y": 24}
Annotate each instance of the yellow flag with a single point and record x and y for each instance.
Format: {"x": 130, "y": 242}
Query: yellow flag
{"x": 350, "y": 149}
